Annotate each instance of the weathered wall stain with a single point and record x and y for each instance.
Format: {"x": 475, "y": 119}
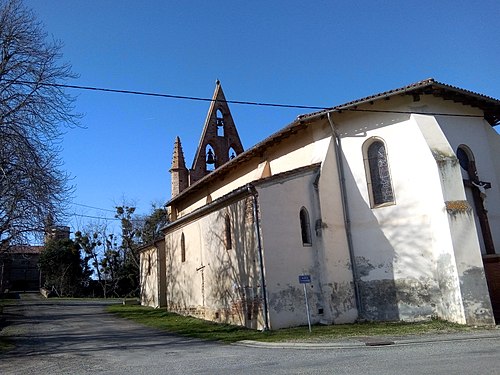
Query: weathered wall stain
{"x": 379, "y": 299}
{"x": 341, "y": 298}
{"x": 286, "y": 299}
{"x": 402, "y": 299}
{"x": 478, "y": 311}
{"x": 363, "y": 266}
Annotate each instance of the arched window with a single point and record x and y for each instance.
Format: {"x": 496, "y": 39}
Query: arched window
{"x": 227, "y": 232}
{"x": 465, "y": 156}
{"x": 231, "y": 153}
{"x": 378, "y": 175}
{"x": 210, "y": 158}
{"x": 305, "y": 227}
{"x": 183, "y": 248}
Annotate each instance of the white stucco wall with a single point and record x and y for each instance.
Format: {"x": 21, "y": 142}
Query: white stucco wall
{"x": 484, "y": 142}
{"x": 286, "y": 257}
{"x": 392, "y": 244}
{"x": 214, "y": 282}
{"x": 402, "y": 249}
{"x": 149, "y": 277}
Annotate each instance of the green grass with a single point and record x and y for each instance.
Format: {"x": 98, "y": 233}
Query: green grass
{"x": 192, "y": 327}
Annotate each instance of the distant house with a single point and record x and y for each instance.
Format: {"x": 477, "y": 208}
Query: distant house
{"x": 19, "y": 269}
{"x": 386, "y": 208}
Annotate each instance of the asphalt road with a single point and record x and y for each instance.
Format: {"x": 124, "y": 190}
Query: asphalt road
{"x": 79, "y": 337}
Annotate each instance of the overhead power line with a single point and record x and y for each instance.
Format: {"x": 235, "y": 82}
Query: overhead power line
{"x": 102, "y": 218}
{"x": 263, "y": 104}
{"x": 170, "y": 96}
{"x": 95, "y": 208}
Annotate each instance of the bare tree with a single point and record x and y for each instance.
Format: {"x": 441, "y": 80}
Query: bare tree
{"x": 32, "y": 111}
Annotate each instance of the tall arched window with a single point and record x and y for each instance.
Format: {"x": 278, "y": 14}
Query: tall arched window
{"x": 305, "y": 227}
{"x": 378, "y": 175}
{"x": 183, "y": 248}
{"x": 227, "y": 234}
{"x": 210, "y": 158}
{"x": 220, "y": 123}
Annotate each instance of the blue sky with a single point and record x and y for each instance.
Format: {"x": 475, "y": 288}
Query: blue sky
{"x": 318, "y": 53}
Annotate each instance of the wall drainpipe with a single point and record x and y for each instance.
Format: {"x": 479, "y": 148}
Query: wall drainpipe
{"x": 253, "y": 192}
{"x": 345, "y": 211}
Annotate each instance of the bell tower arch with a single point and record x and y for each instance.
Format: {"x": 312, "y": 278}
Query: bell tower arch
{"x": 219, "y": 140}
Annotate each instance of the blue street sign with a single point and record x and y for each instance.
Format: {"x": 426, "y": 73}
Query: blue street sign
{"x": 305, "y": 279}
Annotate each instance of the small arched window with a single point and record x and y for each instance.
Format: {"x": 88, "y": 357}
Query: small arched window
{"x": 305, "y": 227}
{"x": 183, "y": 248}
{"x": 465, "y": 156}
{"x": 378, "y": 175}
{"x": 227, "y": 232}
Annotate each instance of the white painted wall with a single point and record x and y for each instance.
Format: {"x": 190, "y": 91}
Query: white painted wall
{"x": 149, "y": 278}
{"x": 216, "y": 283}
{"x": 484, "y": 142}
{"x": 406, "y": 252}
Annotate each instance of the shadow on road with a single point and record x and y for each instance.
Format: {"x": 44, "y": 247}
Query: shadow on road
{"x": 40, "y": 327}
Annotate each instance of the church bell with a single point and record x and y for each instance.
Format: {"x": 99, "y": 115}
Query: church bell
{"x": 210, "y": 157}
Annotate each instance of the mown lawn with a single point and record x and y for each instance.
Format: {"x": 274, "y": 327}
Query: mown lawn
{"x": 192, "y": 327}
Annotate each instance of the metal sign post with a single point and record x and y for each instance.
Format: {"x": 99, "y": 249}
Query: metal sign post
{"x": 306, "y": 279}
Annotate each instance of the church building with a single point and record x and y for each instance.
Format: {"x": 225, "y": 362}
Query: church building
{"x": 386, "y": 208}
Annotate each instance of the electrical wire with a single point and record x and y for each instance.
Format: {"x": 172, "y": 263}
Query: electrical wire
{"x": 100, "y": 217}
{"x": 95, "y": 208}
{"x": 182, "y": 97}
{"x": 170, "y": 96}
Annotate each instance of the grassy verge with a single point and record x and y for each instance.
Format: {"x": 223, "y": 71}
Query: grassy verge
{"x": 192, "y": 327}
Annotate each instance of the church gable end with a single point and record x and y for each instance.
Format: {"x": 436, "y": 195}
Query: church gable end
{"x": 219, "y": 141}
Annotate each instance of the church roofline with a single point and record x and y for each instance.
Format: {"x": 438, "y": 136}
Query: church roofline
{"x": 237, "y": 194}
{"x": 430, "y": 86}
{"x": 292, "y": 128}
{"x": 489, "y": 105}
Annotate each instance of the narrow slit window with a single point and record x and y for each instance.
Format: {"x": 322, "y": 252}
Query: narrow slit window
{"x": 227, "y": 229}
{"x": 305, "y": 227}
{"x": 379, "y": 178}
{"x": 183, "y": 248}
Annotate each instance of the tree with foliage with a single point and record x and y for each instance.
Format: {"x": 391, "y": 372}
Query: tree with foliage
{"x": 32, "y": 110}
{"x": 62, "y": 268}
